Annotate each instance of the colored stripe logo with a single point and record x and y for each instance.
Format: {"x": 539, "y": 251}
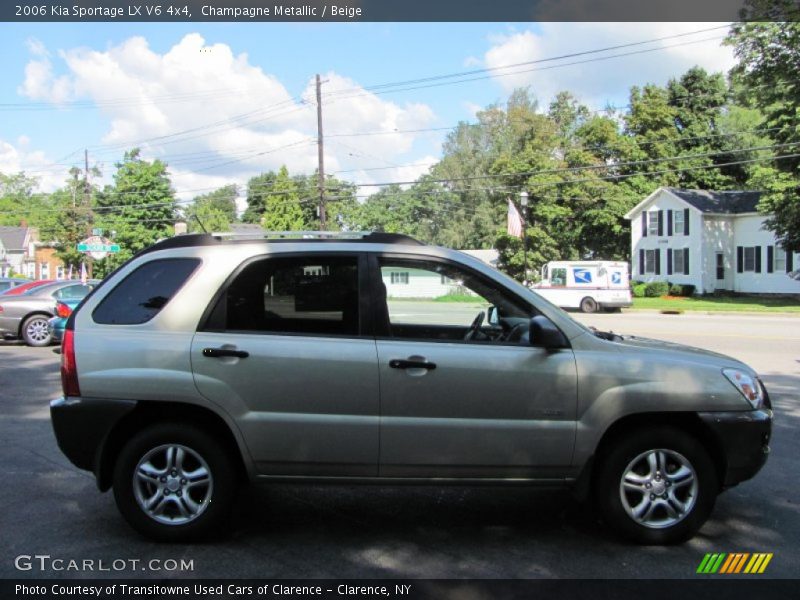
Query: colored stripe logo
{"x": 734, "y": 562}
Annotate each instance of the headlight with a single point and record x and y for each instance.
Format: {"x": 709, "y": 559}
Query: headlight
{"x": 746, "y": 384}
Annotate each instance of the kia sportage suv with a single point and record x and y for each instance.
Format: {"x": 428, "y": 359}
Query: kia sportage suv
{"x": 206, "y": 361}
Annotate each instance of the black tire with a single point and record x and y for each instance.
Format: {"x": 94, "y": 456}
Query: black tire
{"x": 36, "y": 332}
{"x": 613, "y": 465}
{"x": 215, "y": 503}
{"x": 589, "y": 305}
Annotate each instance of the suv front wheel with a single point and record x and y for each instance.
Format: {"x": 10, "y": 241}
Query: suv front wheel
{"x": 174, "y": 483}
{"x": 656, "y": 486}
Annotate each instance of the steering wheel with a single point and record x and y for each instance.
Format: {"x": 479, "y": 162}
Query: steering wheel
{"x": 475, "y": 327}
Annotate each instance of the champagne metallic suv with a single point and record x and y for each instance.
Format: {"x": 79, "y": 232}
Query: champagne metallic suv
{"x": 372, "y": 358}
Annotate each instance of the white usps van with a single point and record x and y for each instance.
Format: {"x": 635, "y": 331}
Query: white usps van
{"x": 588, "y": 285}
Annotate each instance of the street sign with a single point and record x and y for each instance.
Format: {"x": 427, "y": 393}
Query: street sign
{"x": 97, "y": 247}
{"x": 97, "y": 231}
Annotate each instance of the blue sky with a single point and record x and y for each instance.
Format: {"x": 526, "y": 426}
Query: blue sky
{"x": 105, "y": 84}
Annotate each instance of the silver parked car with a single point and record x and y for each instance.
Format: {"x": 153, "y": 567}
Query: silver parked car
{"x": 26, "y": 316}
{"x": 206, "y": 361}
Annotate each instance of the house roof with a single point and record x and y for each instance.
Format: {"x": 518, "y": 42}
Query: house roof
{"x": 13, "y": 238}
{"x": 730, "y": 202}
{"x": 727, "y": 202}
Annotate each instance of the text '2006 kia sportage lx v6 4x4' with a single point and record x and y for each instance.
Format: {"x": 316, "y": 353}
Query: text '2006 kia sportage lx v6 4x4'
{"x": 205, "y": 361}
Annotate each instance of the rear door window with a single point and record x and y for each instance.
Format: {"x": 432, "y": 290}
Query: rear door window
{"x": 142, "y": 294}
{"x": 298, "y": 295}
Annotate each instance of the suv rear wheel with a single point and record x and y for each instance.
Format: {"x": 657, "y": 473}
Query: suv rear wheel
{"x": 174, "y": 483}
{"x": 656, "y": 486}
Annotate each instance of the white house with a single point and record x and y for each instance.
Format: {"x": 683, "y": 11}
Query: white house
{"x": 417, "y": 283}
{"x": 18, "y": 244}
{"x": 712, "y": 240}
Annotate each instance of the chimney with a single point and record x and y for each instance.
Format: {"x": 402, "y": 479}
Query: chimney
{"x": 23, "y": 223}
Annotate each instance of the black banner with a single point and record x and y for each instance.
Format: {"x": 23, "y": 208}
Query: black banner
{"x": 394, "y": 10}
{"x": 732, "y": 588}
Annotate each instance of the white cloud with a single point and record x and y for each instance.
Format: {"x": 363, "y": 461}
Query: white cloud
{"x": 232, "y": 117}
{"x": 597, "y": 82}
{"x": 16, "y": 158}
{"x": 36, "y": 47}
{"x": 472, "y": 108}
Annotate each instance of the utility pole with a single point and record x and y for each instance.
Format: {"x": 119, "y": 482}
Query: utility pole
{"x": 87, "y": 198}
{"x": 320, "y": 150}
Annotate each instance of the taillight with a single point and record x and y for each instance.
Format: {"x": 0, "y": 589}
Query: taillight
{"x": 62, "y": 310}
{"x": 69, "y": 370}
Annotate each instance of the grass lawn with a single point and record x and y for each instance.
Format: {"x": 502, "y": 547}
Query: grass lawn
{"x": 721, "y": 304}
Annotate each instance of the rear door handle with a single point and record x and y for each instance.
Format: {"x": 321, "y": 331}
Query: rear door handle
{"x": 221, "y": 352}
{"x": 399, "y": 363}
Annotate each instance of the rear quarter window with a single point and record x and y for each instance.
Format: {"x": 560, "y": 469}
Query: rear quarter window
{"x": 142, "y": 294}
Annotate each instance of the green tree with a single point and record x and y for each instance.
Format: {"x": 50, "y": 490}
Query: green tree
{"x": 282, "y": 209}
{"x": 768, "y": 55}
{"x": 258, "y": 190}
{"x": 214, "y": 211}
{"x": 137, "y": 210}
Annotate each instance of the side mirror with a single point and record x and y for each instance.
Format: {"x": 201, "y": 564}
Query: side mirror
{"x": 492, "y": 317}
{"x": 545, "y": 334}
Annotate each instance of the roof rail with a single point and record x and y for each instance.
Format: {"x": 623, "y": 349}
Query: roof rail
{"x": 268, "y": 235}
{"x": 211, "y": 239}
{"x": 349, "y": 236}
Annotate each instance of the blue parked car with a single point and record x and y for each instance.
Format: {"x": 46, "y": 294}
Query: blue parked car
{"x": 57, "y": 324}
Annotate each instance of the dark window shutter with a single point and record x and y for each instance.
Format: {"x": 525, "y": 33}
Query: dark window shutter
{"x": 739, "y": 259}
{"x": 644, "y": 223}
{"x": 770, "y": 258}
{"x": 686, "y": 261}
{"x": 658, "y": 260}
{"x": 660, "y": 223}
{"x": 669, "y": 222}
{"x": 641, "y": 262}
{"x": 669, "y": 261}
{"x": 789, "y": 265}
{"x": 758, "y": 259}
{"x": 686, "y": 221}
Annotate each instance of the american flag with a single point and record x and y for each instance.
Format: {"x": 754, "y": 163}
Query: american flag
{"x": 514, "y": 220}
{"x": 83, "y": 273}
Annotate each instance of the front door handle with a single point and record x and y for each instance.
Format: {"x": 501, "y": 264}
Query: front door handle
{"x": 399, "y": 363}
{"x": 221, "y": 352}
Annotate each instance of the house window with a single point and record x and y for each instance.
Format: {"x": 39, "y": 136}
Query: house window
{"x": 780, "y": 260}
{"x": 677, "y": 222}
{"x": 678, "y": 261}
{"x": 652, "y": 222}
{"x": 650, "y": 261}
{"x": 44, "y": 271}
{"x": 750, "y": 259}
{"x": 60, "y": 272}
{"x": 399, "y": 277}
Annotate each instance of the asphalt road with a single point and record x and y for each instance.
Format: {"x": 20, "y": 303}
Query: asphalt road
{"x": 51, "y": 508}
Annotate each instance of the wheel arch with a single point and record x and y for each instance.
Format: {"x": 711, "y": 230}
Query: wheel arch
{"x": 34, "y": 313}
{"x": 689, "y": 422}
{"x": 148, "y": 413}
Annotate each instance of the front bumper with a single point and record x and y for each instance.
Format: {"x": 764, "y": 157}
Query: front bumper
{"x": 82, "y": 426}
{"x": 744, "y": 438}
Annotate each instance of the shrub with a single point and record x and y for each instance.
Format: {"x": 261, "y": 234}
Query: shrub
{"x": 638, "y": 289}
{"x": 655, "y": 289}
{"x": 681, "y": 289}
